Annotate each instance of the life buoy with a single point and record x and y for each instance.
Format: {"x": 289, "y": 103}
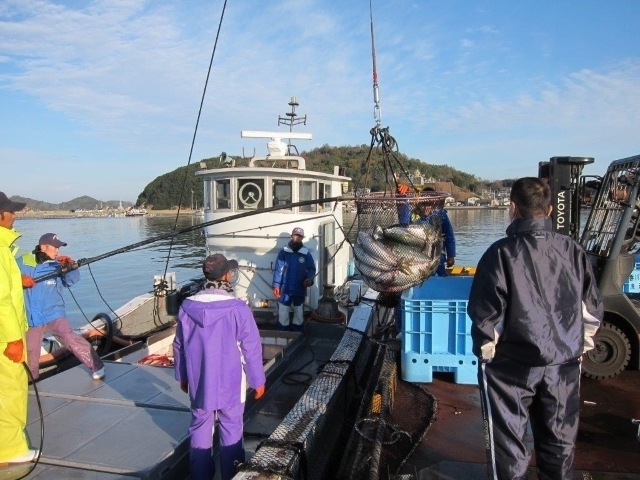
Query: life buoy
{"x": 252, "y": 198}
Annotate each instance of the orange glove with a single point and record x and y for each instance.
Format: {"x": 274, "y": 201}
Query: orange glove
{"x": 28, "y": 281}
{"x": 259, "y": 392}
{"x": 184, "y": 386}
{"x": 15, "y": 351}
{"x": 64, "y": 259}
{"x": 402, "y": 189}
{"x": 276, "y": 291}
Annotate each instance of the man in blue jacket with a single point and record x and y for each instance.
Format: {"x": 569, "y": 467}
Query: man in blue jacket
{"x": 46, "y": 311}
{"x": 217, "y": 351}
{"x": 294, "y": 272}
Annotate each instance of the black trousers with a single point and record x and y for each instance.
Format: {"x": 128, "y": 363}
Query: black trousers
{"x": 548, "y": 397}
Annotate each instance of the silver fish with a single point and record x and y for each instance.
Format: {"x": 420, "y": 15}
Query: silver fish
{"x": 369, "y": 272}
{"x": 375, "y": 262}
{"x": 377, "y": 233}
{"x": 420, "y": 235}
{"x": 402, "y": 281}
{"x": 414, "y": 234}
{"x": 375, "y": 248}
{"x": 396, "y": 258}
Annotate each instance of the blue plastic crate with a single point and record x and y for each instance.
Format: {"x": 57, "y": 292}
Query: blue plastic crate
{"x": 419, "y": 368}
{"x": 436, "y": 331}
{"x": 632, "y": 285}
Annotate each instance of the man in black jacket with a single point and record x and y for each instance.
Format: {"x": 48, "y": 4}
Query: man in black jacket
{"x": 535, "y": 308}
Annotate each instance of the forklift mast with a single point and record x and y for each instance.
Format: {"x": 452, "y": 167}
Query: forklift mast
{"x": 564, "y": 175}
{"x": 611, "y": 239}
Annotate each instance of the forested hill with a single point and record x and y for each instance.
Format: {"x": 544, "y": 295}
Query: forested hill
{"x": 79, "y": 203}
{"x": 164, "y": 191}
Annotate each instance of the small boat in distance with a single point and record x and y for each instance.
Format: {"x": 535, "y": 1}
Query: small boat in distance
{"x": 135, "y": 212}
{"x": 199, "y": 212}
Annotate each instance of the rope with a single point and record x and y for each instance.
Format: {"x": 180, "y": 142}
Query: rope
{"x": 200, "y": 226}
{"x": 35, "y": 389}
{"x": 195, "y": 131}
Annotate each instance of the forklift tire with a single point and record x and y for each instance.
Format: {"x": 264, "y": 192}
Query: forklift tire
{"x": 610, "y": 356}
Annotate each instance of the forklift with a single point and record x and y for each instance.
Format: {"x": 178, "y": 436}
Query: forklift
{"x": 611, "y": 240}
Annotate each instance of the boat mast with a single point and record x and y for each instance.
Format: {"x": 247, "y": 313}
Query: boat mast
{"x": 291, "y": 119}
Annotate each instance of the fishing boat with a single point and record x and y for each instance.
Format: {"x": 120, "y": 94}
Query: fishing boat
{"x": 319, "y": 381}
{"x": 249, "y": 214}
{"x": 278, "y": 181}
{"x": 335, "y": 406}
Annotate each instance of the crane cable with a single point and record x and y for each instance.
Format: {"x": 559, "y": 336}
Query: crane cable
{"x": 193, "y": 140}
{"x": 385, "y": 144}
{"x": 377, "y": 113}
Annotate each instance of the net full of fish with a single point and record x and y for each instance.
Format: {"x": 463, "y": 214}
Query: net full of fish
{"x": 395, "y": 258}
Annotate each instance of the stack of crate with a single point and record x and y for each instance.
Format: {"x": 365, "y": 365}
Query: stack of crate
{"x": 436, "y": 331}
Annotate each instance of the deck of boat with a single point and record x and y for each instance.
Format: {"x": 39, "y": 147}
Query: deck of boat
{"x": 133, "y": 425}
{"x": 608, "y": 445}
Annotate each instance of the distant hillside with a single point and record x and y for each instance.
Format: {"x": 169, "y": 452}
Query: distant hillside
{"x": 79, "y": 203}
{"x": 164, "y": 191}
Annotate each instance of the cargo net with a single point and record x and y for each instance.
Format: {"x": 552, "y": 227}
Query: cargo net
{"x": 399, "y": 242}
{"x": 386, "y": 209}
{"x": 394, "y": 418}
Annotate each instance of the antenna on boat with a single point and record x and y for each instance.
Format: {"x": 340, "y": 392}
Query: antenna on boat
{"x": 292, "y": 119}
{"x": 381, "y": 140}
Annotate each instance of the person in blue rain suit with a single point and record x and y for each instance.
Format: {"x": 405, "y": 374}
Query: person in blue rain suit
{"x": 437, "y": 216}
{"x": 294, "y": 272}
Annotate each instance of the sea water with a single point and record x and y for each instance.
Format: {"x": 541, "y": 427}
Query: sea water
{"x": 108, "y": 283}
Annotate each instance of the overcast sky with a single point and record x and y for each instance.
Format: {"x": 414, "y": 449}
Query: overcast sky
{"x": 100, "y": 97}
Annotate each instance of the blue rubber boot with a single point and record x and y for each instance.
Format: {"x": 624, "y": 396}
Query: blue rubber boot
{"x": 230, "y": 455}
{"x": 201, "y": 464}
{"x": 296, "y": 328}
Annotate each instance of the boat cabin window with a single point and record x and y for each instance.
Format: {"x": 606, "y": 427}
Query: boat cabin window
{"x": 325, "y": 192}
{"x": 250, "y": 194}
{"x": 207, "y": 194}
{"x": 223, "y": 194}
{"x": 327, "y": 248}
{"x": 307, "y": 191}
{"x": 282, "y": 192}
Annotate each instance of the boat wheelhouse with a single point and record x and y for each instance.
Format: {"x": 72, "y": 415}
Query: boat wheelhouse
{"x": 277, "y": 179}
